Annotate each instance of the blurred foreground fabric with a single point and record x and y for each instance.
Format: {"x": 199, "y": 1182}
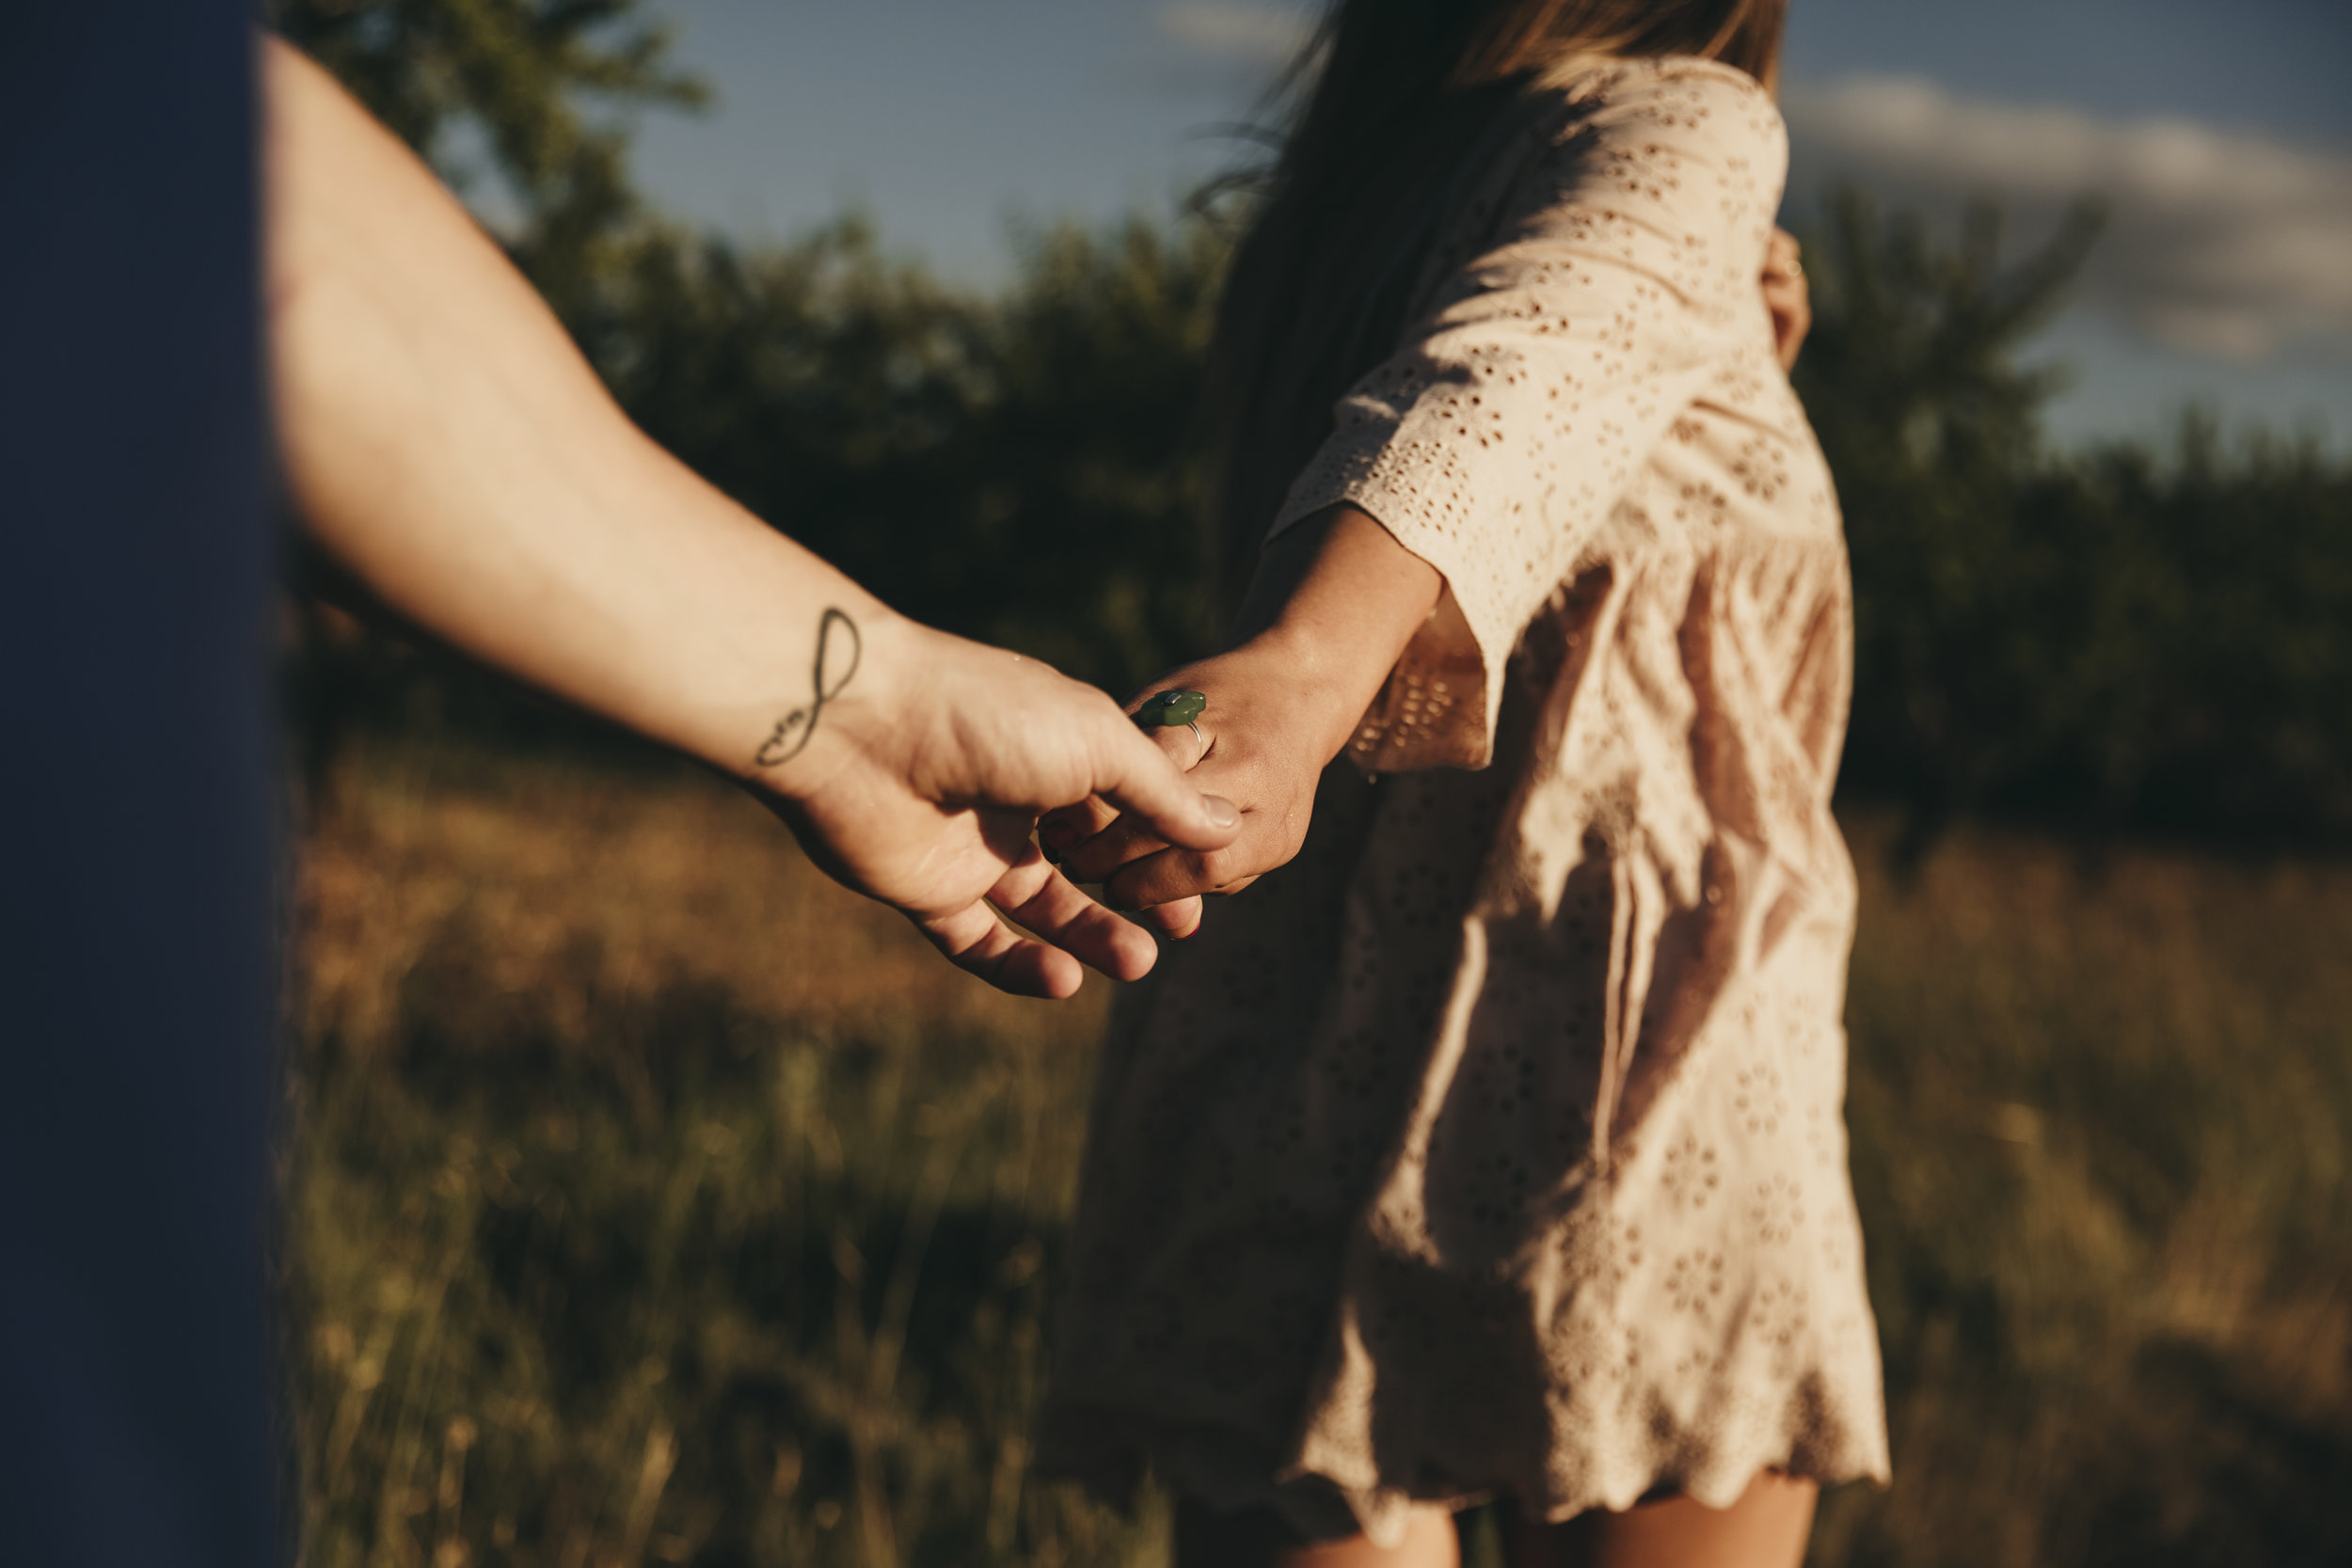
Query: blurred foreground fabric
{"x": 135, "y": 1045}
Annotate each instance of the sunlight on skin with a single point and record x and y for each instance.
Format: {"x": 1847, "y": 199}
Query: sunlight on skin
{"x": 447, "y": 445}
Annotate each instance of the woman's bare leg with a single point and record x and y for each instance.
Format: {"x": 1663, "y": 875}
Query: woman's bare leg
{"x": 1766, "y": 1528}
{"x": 1258, "y": 1539}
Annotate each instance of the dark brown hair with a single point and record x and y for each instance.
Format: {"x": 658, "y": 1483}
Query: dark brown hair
{"x": 1403, "y": 92}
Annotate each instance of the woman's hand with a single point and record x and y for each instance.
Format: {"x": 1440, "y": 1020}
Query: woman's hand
{"x": 1264, "y": 738}
{"x": 1335, "y": 600}
{"x": 1787, "y": 297}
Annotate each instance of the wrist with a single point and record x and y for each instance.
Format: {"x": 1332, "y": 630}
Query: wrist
{"x": 1319, "y": 688}
{"x": 833, "y": 703}
{"x": 1335, "y": 603}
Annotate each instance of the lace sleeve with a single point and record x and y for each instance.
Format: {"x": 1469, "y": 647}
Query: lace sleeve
{"x": 1492, "y": 444}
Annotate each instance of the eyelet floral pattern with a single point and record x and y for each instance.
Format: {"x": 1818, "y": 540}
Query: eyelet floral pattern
{"x": 1496, "y": 1145}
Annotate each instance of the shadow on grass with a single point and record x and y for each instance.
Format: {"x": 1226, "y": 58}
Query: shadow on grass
{"x": 608, "y": 1245}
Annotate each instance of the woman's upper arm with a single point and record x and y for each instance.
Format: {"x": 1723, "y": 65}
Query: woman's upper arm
{"x": 1512, "y": 417}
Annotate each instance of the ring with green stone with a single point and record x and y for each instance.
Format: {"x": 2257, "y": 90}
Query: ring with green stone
{"x": 1166, "y": 711}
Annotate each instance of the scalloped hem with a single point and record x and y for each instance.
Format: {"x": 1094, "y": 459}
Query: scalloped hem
{"x": 1109, "y": 1450}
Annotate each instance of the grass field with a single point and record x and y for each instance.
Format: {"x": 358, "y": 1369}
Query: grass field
{"x": 650, "y": 1200}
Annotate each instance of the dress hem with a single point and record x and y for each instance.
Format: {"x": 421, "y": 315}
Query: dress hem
{"x": 1109, "y": 1452}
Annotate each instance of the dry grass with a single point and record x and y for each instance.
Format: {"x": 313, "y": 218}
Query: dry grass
{"x": 2101, "y": 1108}
{"x": 652, "y": 1200}
{"x": 631, "y": 888}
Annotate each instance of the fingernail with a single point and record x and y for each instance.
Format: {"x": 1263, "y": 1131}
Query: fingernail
{"x": 1222, "y": 813}
{"x": 1057, "y": 837}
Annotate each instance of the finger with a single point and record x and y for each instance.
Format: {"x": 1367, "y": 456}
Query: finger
{"x": 1175, "y": 873}
{"x": 1186, "y": 746}
{"x": 1060, "y": 832}
{"x": 1143, "y": 779}
{"x": 1125, "y": 840}
{"x": 1067, "y": 919}
{"x": 976, "y": 940}
{"x": 1792, "y": 318}
{"x": 1179, "y": 920}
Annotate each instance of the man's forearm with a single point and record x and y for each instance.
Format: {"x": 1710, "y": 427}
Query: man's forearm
{"x": 446, "y": 442}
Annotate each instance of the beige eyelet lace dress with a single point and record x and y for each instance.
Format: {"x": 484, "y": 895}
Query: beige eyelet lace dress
{"x": 1495, "y": 1146}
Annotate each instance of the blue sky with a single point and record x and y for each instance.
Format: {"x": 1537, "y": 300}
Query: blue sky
{"x": 2220, "y": 129}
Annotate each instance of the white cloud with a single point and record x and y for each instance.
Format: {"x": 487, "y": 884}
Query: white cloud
{"x": 2225, "y": 244}
{"x": 1245, "y": 35}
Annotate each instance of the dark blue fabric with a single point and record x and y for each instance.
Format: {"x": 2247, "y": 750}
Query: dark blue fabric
{"x": 135, "y": 903}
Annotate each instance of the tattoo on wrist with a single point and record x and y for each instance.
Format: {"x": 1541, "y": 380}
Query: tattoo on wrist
{"x": 838, "y": 649}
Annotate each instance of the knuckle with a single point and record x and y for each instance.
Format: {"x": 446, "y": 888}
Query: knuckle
{"x": 1220, "y": 869}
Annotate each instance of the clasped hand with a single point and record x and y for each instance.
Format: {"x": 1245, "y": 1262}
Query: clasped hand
{"x": 922, "y": 786}
{"x": 1260, "y": 747}
{"x": 1337, "y": 600}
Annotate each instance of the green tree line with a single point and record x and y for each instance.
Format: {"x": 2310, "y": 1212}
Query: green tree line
{"x": 2121, "y": 639}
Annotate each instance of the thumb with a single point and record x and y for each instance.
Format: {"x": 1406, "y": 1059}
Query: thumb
{"x": 1136, "y": 776}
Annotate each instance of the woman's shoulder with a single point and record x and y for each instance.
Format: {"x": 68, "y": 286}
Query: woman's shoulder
{"x": 1684, "y": 99}
{"x": 1663, "y": 133}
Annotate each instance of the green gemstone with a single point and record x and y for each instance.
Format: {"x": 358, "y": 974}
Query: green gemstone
{"x": 1168, "y": 709}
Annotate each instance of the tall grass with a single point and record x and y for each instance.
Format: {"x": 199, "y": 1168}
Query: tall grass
{"x": 651, "y": 1200}
{"x": 2101, "y": 1107}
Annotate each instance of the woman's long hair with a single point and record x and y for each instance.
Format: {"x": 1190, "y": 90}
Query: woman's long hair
{"x": 1404, "y": 92}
